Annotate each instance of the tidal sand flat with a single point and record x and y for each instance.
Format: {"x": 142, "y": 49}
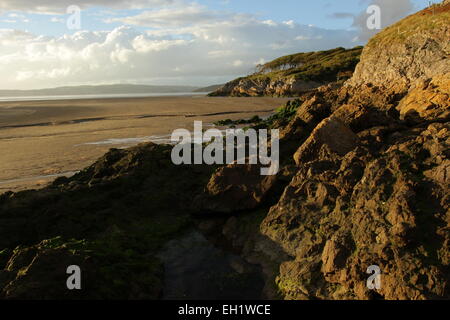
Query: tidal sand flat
{"x": 40, "y": 140}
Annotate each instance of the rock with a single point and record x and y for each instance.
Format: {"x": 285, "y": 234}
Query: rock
{"x": 335, "y": 254}
{"x": 298, "y": 279}
{"x": 308, "y": 116}
{"x": 40, "y": 272}
{"x": 441, "y": 173}
{"x": 138, "y": 202}
{"x": 340, "y": 215}
{"x": 235, "y": 188}
{"x": 414, "y": 48}
{"x": 332, "y": 134}
{"x": 360, "y": 117}
{"x": 427, "y": 100}
{"x": 44, "y": 276}
{"x": 244, "y": 87}
{"x": 284, "y": 77}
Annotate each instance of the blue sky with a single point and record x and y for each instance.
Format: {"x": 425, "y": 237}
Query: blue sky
{"x": 172, "y": 41}
{"x": 317, "y": 12}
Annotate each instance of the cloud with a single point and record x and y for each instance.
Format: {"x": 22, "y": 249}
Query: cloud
{"x": 342, "y": 15}
{"x": 391, "y": 12}
{"x": 57, "y": 20}
{"x": 210, "y": 53}
{"x": 185, "y": 44}
{"x": 237, "y": 63}
{"x": 290, "y": 23}
{"x": 15, "y": 18}
{"x": 60, "y": 6}
{"x": 178, "y": 16}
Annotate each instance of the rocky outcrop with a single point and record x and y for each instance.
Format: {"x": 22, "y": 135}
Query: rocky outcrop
{"x": 407, "y": 61}
{"x": 427, "y": 99}
{"x": 330, "y": 134}
{"x": 295, "y": 74}
{"x": 40, "y": 272}
{"x": 265, "y": 86}
{"x": 234, "y": 188}
{"x": 371, "y": 186}
{"x": 111, "y": 219}
{"x": 416, "y": 48}
{"x": 342, "y": 214}
{"x": 384, "y": 198}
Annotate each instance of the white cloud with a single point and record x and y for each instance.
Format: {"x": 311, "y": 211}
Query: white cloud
{"x": 15, "y": 18}
{"x": 391, "y": 12}
{"x": 177, "y": 16}
{"x": 16, "y": 15}
{"x": 270, "y": 23}
{"x": 219, "y": 53}
{"x": 57, "y": 20}
{"x": 290, "y": 23}
{"x": 238, "y": 63}
{"x": 302, "y": 38}
{"x": 261, "y": 61}
{"x": 60, "y": 6}
{"x": 192, "y": 45}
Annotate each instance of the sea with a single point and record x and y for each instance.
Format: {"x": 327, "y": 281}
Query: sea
{"x": 101, "y": 96}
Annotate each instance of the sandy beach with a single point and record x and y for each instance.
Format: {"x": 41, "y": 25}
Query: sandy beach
{"x": 40, "y": 140}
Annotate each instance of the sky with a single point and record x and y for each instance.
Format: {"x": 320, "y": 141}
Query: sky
{"x": 45, "y": 43}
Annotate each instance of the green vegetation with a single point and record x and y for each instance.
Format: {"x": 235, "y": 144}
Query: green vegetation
{"x": 430, "y": 19}
{"x": 285, "y": 113}
{"x": 294, "y": 74}
{"x": 121, "y": 211}
{"x": 281, "y": 117}
{"x": 331, "y": 65}
{"x": 232, "y": 123}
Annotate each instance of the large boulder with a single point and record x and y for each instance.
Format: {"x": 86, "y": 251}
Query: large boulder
{"x": 332, "y": 134}
{"x": 234, "y": 188}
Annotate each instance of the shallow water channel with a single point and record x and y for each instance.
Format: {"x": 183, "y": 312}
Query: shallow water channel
{"x": 195, "y": 269}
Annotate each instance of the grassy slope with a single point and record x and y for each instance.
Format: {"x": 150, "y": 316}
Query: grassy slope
{"x": 313, "y": 66}
{"x": 429, "y": 19}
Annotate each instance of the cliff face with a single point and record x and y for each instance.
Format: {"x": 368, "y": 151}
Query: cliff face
{"x": 408, "y": 63}
{"x": 378, "y": 194}
{"x": 416, "y": 48}
{"x": 294, "y": 74}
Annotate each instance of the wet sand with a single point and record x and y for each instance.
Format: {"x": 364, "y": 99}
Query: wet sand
{"x": 40, "y": 140}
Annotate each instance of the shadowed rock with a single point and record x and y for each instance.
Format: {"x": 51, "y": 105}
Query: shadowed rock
{"x": 330, "y": 133}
